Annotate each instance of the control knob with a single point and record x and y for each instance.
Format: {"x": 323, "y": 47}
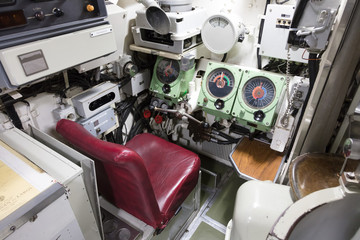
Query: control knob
{"x": 39, "y": 15}
{"x": 259, "y": 116}
{"x": 166, "y": 88}
{"x": 219, "y": 104}
{"x": 58, "y": 12}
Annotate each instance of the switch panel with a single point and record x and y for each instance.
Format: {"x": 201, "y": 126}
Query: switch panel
{"x": 276, "y": 30}
{"x": 25, "y": 21}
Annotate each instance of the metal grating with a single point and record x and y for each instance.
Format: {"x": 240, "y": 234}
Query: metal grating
{"x": 221, "y": 151}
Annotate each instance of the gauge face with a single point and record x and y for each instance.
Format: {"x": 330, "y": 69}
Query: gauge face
{"x": 218, "y": 22}
{"x": 259, "y": 92}
{"x": 168, "y": 70}
{"x": 220, "y": 33}
{"x": 220, "y": 83}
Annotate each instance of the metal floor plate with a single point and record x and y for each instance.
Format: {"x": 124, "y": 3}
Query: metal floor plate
{"x": 217, "y": 205}
{"x": 115, "y": 229}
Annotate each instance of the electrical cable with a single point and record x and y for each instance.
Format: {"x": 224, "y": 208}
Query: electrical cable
{"x": 110, "y": 137}
{"x": 108, "y": 77}
{"x": 211, "y": 138}
{"x": 224, "y": 57}
{"x": 310, "y": 59}
{"x": 11, "y": 112}
{"x": 298, "y": 13}
{"x": 119, "y": 135}
{"x": 140, "y": 116}
{"x": 313, "y": 71}
{"x": 135, "y": 130}
{"x": 126, "y": 133}
{"x": 221, "y": 142}
{"x": 123, "y": 110}
{"x": 139, "y": 119}
{"x": 124, "y": 80}
{"x": 224, "y": 135}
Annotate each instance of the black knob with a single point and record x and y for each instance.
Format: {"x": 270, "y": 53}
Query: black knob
{"x": 259, "y": 116}
{"x": 164, "y": 106}
{"x": 205, "y": 125}
{"x": 166, "y": 88}
{"x": 39, "y": 15}
{"x": 58, "y": 12}
{"x": 219, "y": 104}
{"x": 153, "y": 104}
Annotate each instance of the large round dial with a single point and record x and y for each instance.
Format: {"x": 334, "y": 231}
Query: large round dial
{"x": 220, "y": 33}
{"x": 167, "y": 70}
{"x": 258, "y": 92}
{"x": 220, "y": 83}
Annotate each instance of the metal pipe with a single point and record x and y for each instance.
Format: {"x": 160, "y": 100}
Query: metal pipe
{"x": 178, "y": 112}
{"x": 148, "y": 3}
{"x": 156, "y": 17}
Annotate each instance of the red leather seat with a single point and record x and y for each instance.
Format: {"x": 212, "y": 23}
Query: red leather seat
{"x": 148, "y": 177}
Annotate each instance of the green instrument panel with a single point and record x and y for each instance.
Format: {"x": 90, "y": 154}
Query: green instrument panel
{"x": 258, "y": 96}
{"x": 169, "y": 82}
{"x": 248, "y": 95}
{"x": 219, "y": 88}
{"x": 220, "y": 83}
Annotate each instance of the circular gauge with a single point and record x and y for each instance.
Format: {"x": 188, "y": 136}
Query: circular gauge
{"x": 220, "y": 82}
{"x": 220, "y": 33}
{"x": 168, "y": 70}
{"x": 218, "y": 21}
{"x": 258, "y": 92}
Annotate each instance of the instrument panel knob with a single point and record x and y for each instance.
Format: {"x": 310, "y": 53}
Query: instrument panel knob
{"x": 219, "y": 104}
{"x": 166, "y": 88}
{"x": 39, "y": 15}
{"x": 259, "y": 116}
{"x": 58, "y": 12}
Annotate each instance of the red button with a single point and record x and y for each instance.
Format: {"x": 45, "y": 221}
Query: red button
{"x": 147, "y": 113}
{"x": 158, "y": 119}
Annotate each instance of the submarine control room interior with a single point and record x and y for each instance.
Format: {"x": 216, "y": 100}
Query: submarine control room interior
{"x": 179, "y": 119}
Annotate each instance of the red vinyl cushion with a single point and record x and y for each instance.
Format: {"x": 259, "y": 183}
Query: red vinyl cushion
{"x": 173, "y": 170}
{"x": 149, "y": 177}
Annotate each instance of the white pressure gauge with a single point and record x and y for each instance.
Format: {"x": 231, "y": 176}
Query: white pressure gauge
{"x": 220, "y": 33}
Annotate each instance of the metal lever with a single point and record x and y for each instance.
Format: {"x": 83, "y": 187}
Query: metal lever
{"x": 180, "y": 113}
{"x": 351, "y": 149}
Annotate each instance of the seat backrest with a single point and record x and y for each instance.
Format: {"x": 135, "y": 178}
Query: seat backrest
{"x": 120, "y": 171}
